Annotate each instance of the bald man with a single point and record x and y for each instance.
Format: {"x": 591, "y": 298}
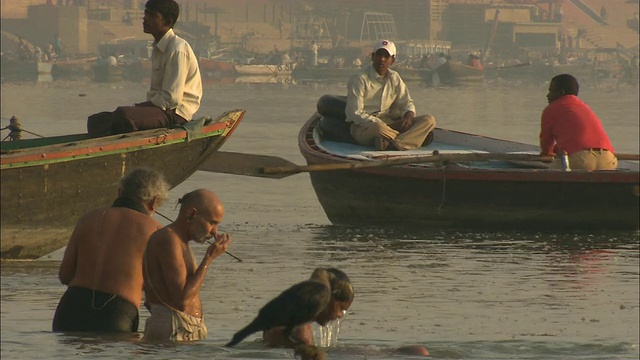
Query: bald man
{"x": 172, "y": 277}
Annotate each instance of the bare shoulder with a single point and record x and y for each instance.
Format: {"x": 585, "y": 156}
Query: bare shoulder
{"x": 90, "y": 218}
{"x": 164, "y": 238}
{"x": 150, "y": 223}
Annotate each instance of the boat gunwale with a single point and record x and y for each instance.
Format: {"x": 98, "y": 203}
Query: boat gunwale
{"x": 114, "y": 144}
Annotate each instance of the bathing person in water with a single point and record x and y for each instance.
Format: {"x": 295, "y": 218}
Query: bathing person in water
{"x": 102, "y": 264}
{"x": 173, "y": 278}
{"x": 324, "y": 297}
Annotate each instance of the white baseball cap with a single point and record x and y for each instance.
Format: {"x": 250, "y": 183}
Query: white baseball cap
{"x": 387, "y": 45}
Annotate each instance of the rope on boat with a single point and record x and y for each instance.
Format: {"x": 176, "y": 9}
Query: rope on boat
{"x": 444, "y": 183}
{"x": 16, "y": 130}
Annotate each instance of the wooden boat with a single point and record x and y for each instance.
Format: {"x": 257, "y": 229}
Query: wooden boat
{"x": 264, "y": 79}
{"x": 21, "y": 70}
{"x": 459, "y": 73}
{"x": 475, "y": 183}
{"x": 212, "y": 68}
{"x": 409, "y": 74}
{"x": 275, "y": 70}
{"x": 310, "y": 73}
{"x": 465, "y": 73}
{"x": 535, "y": 72}
{"x": 75, "y": 69}
{"x": 47, "y": 183}
{"x": 108, "y": 73}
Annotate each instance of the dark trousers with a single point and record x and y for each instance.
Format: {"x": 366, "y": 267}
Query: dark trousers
{"x": 125, "y": 119}
{"x": 84, "y": 310}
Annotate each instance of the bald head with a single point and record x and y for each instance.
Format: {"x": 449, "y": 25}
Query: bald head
{"x": 202, "y": 200}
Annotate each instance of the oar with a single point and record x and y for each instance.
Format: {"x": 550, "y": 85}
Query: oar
{"x": 277, "y": 168}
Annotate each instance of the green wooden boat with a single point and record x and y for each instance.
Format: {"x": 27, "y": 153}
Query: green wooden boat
{"x": 47, "y": 183}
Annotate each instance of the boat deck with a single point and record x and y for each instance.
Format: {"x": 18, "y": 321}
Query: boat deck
{"x": 360, "y": 152}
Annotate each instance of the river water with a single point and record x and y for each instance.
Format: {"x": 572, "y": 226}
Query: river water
{"x": 461, "y": 295}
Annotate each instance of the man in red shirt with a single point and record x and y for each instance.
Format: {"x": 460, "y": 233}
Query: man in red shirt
{"x": 569, "y": 125}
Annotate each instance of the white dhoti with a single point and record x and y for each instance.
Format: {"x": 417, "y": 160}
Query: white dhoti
{"x": 167, "y": 324}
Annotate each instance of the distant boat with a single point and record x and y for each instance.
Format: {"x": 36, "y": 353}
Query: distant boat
{"x": 264, "y": 79}
{"x": 465, "y": 73}
{"x": 47, "y": 183}
{"x": 213, "y": 68}
{"x": 74, "y": 69}
{"x": 21, "y": 70}
{"x": 264, "y": 69}
{"x": 108, "y": 73}
{"x": 320, "y": 73}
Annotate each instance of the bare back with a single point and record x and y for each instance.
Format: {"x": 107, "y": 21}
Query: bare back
{"x": 170, "y": 265}
{"x": 105, "y": 252}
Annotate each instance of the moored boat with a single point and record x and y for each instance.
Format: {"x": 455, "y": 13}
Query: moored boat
{"x": 73, "y": 69}
{"x": 474, "y": 183}
{"x": 47, "y": 183}
{"x": 409, "y": 74}
{"x": 212, "y": 68}
{"x": 24, "y": 70}
{"x": 275, "y": 70}
{"x": 465, "y": 73}
{"x": 108, "y": 73}
{"x": 323, "y": 73}
{"x": 264, "y": 79}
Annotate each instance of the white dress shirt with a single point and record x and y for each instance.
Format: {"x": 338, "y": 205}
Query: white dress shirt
{"x": 371, "y": 97}
{"x": 175, "y": 77}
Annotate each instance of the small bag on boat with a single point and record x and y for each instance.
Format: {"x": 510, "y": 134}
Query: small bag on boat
{"x": 99, "y": 124}
{"x": 332, "y": 125}
{"x": 333, "y": 106}
{"x": 335, "y": 130}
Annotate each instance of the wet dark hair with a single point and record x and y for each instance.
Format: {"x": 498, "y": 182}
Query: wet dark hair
{"x": 169, "y": 9}
{"x": 341, "y": 288}
{"x": 566, "y": 83}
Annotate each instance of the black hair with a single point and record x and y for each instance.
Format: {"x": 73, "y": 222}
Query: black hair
{"x": 341, "y": 288}
{"x": 169, "y": 9}
{"x": 566, "y": 83}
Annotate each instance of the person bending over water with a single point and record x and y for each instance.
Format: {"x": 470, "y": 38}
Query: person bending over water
{"x": 293, "y": 300}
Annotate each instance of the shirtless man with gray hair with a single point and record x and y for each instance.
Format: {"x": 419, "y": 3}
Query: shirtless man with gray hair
{"x": 173, "y": 279}
{"x": 102, "y": 264}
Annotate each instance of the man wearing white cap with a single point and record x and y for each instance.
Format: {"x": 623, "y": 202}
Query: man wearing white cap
{"x": 379, "y": 106}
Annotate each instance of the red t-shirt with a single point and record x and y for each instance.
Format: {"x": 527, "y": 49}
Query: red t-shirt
{"x": 573, "y": 126}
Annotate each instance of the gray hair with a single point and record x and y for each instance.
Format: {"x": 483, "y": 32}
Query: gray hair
{"x": 143, "y": 184}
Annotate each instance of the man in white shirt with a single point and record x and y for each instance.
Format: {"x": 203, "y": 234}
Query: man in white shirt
{"x": 176, "y": 86}
{"x": 379, "y": 107}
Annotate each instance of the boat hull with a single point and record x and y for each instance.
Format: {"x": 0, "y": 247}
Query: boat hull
{"x": 457, "y": 197}
{"x": 42, "y": 199}
{"x": 367, "y": 198}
